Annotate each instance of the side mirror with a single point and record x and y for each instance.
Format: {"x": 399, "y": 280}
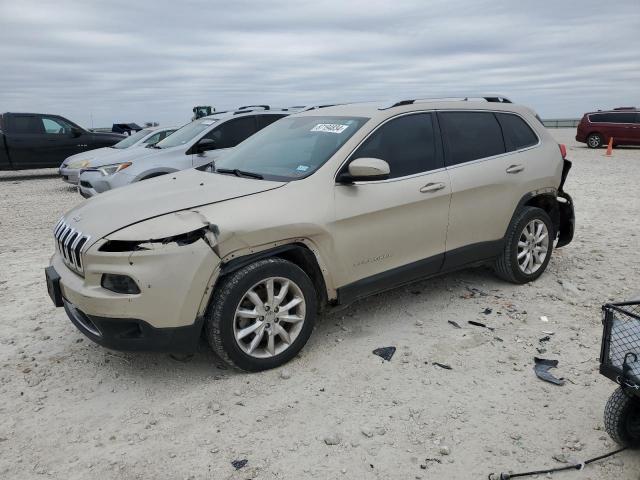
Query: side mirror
{"x": 76, "y": 132}
{"x": 364, "y": 169}
{"x": 205, "y": 145}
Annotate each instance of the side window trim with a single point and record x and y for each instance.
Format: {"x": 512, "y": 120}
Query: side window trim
{"x": 484, "y": 159}
{"x": 439, "y": 151}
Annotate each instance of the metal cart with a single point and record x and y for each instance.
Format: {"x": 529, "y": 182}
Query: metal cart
{"x": 620, "y": 362}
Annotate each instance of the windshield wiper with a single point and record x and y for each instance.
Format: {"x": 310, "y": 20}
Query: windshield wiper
{"x": 240, "y": 173}
{"x": 154, "y": 146}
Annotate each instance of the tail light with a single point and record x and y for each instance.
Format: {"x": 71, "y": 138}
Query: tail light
{"x": 563, "y": 150}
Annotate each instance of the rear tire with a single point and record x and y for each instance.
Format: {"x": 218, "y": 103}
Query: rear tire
{"x": 529, "y": 240}
{"x": 622, "y": 418}
{"x": 245, "y": 328}
{"x": 594, "y": 140}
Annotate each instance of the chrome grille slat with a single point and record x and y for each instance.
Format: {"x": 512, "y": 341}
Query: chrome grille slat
{"x": 70, "y": 244}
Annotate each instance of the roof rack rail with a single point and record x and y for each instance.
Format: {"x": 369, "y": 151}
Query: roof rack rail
{"x": 487, "y": 98}
{"x": 264, "y": 107}
{"x": 626, "y": 108}
{"x": 326, "y": 105}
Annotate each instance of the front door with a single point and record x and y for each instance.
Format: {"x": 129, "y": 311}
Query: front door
{"x": 389, "y": 232}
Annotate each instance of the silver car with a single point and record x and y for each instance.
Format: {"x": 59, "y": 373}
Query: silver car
{"x": 70, "y": 168}
{"x": 195, "y": 144}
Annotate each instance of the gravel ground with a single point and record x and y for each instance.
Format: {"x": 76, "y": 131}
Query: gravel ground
{"x": 71, "y": 409}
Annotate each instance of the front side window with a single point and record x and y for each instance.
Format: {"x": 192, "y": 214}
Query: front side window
{"x": 406, "y": 143}
{"x": 517, "y": 134}
{"x": 55, "y": 126}
{"x": 187, "y": 133}
{"x": 232, "y": 132}
{"x": 470, "y": 136}
{"x": 293, "y": 147}
{"x": 132, "y": 139}
{"x": 153, "y": 139}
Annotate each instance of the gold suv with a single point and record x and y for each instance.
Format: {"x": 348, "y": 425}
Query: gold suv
{"x": 320, "y": 208}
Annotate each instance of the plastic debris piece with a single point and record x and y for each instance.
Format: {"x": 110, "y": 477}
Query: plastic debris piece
{"x": 480, "y": 324}
{"x": 487, "y": 311}
{"x": 544, "y": 319}
{"x": 443, "y": 365}
{"x": 544, "y": 339}
{"x": 386, "y": 353}
{"x": 238, "y": 464}
{"x": 542, "y": 368}
{"x": 455, "y": 324}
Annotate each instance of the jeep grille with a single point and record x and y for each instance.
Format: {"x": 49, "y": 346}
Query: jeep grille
{"x": 69, "y": 243}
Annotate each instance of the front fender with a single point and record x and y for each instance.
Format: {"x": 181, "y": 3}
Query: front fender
{"x": 154, "y": 172}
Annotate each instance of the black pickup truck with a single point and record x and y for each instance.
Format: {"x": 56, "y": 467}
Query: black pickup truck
{"x": 36, "y": 140}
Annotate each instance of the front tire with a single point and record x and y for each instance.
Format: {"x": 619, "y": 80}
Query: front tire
{"x": 528, "y": 246}
{"x": 622, "y": 418}
{"x": 262, "y": 315}
{"x": 594, "y": 140}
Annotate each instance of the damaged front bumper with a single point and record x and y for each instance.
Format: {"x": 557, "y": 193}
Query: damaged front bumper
{"x": 174, "y": 279}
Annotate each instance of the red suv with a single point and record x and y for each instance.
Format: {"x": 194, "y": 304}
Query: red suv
{"x": 622, "y": 124}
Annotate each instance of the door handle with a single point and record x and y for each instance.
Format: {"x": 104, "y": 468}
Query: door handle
{"x": 515, "y": 168}
{"x": 432, "y": 187}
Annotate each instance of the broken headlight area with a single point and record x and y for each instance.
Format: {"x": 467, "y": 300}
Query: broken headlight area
{"x": 138, "y": 245}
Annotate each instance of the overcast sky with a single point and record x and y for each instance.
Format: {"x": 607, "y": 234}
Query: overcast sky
{"x": 141, "y": 60}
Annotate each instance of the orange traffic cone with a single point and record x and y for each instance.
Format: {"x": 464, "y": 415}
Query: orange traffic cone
{"x": 610, "y": 147}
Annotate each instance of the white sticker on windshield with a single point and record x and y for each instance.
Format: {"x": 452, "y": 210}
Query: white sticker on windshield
{"x": 302, "y": 168}
{"x": 330, "y": 128}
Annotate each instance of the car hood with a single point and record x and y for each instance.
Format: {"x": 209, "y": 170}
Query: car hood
{"x": 79, "y": 160}
{"x": 116, "y": 209}
{"x": 116, "y": 137}
{"x": 128, "y": 155}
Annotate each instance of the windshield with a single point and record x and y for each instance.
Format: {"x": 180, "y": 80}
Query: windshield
{"x": 291, "y": 148}
{"x": 132, "y": 139}
{"x": 187, "y": 133}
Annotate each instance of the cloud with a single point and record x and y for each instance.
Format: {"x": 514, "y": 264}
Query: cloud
{"x": 151, "y": 60}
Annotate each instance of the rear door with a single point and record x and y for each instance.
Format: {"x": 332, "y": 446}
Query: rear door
{"x": 26, "y": 141}
{"x": 226, "y": 135}
{"x": 488, "y": 179}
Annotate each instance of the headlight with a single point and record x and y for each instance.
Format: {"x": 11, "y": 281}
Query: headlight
{"x": 78, "y": 164}
{"x": 111, "y": 169}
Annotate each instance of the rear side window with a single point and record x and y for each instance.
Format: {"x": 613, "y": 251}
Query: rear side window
{"x": 232, "y": 132}
{"x": 471, "y": 136}
{"x": 266, "y": 120}
{"x": 406, "y": 143}
{"x": 26, "y": 124}
{"x": 612, "y": 117}
{"x": 517, "y": 134}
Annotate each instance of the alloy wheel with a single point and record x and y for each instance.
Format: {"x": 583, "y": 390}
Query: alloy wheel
{"x": 269, "y": 317}
{"x": 533, "y": 246}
